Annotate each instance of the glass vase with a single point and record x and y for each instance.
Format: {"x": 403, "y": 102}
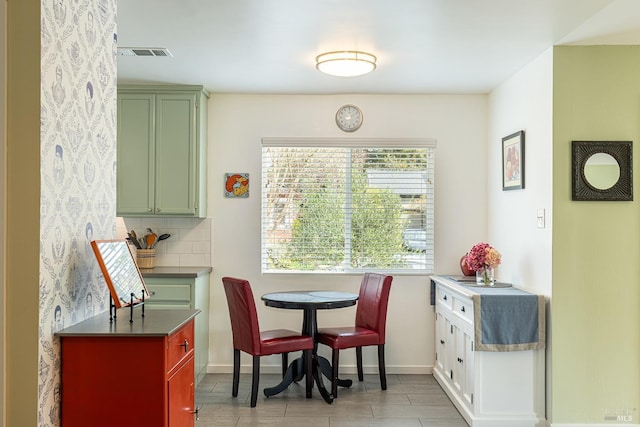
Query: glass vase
{"x": 485, "y": 276}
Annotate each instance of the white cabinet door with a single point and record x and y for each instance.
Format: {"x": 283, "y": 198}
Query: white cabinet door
{"x": 449, "y": 348}
{"x": 441, "y": 337}
{"x": 459, "y": 373}
{"x": 468, "y": 368}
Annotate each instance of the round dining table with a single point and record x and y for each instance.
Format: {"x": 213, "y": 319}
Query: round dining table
{"x": 310, "y": 302}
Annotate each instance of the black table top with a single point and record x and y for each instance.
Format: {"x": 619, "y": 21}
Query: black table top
{"x": 310, "y": 299}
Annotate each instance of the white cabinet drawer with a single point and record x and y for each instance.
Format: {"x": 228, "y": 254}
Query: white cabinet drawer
{"x": 464, "y": 308}
{"x": 444, "y": 298}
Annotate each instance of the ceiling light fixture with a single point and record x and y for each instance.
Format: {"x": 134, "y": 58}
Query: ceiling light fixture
{"x": 348, "y": 63}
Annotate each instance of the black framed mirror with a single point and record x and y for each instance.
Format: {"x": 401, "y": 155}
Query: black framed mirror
{"x": 602, "y": 170}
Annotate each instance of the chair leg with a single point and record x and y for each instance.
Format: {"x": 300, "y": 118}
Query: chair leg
{"x": 285, "y": 363}
{"x": 255, "y": 378}
{"x": 308, "y": 372}
{"x": 381, "y": 368}
{"x": 236, "y": 372}
{"x": 359, "y": 363}
{"x": 335, "y": 359}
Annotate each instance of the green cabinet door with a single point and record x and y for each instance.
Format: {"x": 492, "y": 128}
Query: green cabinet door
{"x": 176, "y": 154}
{"x": 136, "y": 153}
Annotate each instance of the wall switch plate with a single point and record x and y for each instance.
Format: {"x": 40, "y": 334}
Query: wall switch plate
{"x": 541, "y": 218}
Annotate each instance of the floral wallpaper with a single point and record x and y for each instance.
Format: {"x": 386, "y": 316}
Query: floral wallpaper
{"x": 78, "y": 183}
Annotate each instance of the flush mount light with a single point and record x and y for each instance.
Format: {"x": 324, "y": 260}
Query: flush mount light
{"x": 348, "y": 63}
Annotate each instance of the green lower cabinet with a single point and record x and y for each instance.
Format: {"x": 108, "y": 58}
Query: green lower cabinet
{"x": 185, "y": 293}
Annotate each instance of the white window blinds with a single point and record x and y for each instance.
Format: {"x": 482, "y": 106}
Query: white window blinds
{"x": 343, "y": 206}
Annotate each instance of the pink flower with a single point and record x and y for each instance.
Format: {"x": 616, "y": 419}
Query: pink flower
{"x": 483, "y": 255}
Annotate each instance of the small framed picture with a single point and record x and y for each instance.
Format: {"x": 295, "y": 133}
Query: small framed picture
{"x": 236, "y": 185}
{"x": 513, "y": 161}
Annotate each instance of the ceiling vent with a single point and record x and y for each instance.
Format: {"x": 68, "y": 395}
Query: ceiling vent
{"x": 144, "y": 51}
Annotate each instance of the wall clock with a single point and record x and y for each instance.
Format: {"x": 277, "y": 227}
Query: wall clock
{"x": 349, "y": 118}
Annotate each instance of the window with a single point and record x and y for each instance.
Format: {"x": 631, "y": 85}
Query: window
{"x": 347, "y": 205}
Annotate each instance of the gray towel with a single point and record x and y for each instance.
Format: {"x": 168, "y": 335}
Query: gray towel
{"x": 508, "y": 319}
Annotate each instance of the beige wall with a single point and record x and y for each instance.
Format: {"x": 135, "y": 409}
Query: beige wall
{"x": 22, "y": 213}
{"x": 3, "y": 110}
{"x": 596, "y": 273}
{"x": 236, "y": 125}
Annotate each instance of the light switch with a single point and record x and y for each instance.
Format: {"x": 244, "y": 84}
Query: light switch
{"x": 541, "y": 218}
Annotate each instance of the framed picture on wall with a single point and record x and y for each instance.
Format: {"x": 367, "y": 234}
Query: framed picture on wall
{"x": 236, "y": 185}
{"x": 513, "y": 161}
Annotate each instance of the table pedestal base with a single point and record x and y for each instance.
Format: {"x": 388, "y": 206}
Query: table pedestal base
{"x": 295, "y": 372}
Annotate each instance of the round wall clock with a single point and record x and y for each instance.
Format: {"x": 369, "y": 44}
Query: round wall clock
{"x": 349, "y": 118}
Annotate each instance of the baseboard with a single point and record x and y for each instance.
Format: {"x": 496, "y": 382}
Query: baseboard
{"x": 348, "y": 369}
{"x": 595, "y": 425}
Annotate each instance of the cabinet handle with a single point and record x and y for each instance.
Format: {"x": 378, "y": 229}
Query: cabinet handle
{"x": 185, "y": 344}
{"x": 197, "y": 414}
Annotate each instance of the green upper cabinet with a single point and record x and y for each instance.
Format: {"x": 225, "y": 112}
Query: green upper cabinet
{"x": 162, "y": 142}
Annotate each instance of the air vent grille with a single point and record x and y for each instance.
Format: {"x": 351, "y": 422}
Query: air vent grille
{"x": 144, "y": 51}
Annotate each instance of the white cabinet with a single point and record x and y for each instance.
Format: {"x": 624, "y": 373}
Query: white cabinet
{"x": 490, "y": 389}
{"x": 454, "y": 343}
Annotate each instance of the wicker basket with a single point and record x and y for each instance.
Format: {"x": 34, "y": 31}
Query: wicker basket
{"x": 146, "y": 258}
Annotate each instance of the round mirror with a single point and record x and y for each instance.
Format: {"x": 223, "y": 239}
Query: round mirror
{"x": 602, "y": 171}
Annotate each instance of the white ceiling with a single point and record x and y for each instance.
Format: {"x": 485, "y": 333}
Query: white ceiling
{"x": 423, "y": 46}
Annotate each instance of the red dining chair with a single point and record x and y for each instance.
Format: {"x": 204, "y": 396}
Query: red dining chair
{"x": 247, "y": 337}
{"x": 369, "y": 329}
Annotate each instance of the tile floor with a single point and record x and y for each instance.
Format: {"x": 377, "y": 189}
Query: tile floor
{"x": 410, "y": 400}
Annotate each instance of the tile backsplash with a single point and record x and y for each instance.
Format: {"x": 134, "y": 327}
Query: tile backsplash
{"x": 188, "y": 246}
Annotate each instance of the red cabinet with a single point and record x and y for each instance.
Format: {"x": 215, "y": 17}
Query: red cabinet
{"x": 129, "y": 374}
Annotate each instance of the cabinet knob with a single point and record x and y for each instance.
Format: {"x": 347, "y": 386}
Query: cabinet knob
{"x": 185, "y": 344}
{"x": 444, "y": 298}
{"x": 441, "y": 341}
{"x": 152, "y": 293}
{"x": 149, "y": 210}
{"x": 462, "y": 309}
{"x": 157, "y": 210}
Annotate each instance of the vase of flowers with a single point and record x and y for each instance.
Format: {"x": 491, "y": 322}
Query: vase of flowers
{"x": 483, "y": 259}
